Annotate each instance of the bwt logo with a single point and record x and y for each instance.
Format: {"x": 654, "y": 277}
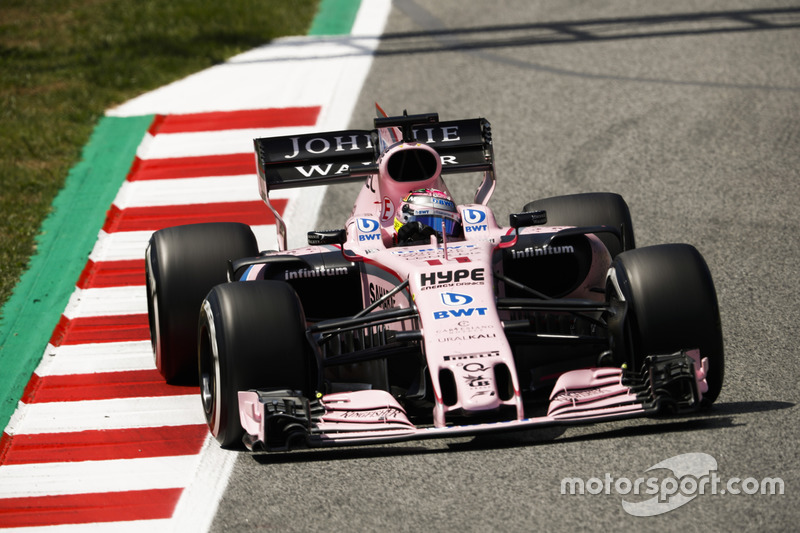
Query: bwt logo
{"x": 455, "y": 313}
{"x": 367, "y": 225}
{"x": 454, "y": 299}
{"x": 444, "y": 203}
{"x": 473, "y": 216}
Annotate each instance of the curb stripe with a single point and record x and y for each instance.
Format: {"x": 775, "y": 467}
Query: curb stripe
{"x": 103, "y": 445}
{"x": 114, "y": 328}
{"x": 118, "y": 413}
{"x": 190, "y": 191}
{"x": 154, "y": 218}
{"x": 101, "y": 386}
{"x": 103, "y": 274}
{"x": 193, "y": 167}
{"x": 115, "y": 475}
{"x": 87, "y": 508}
{"x": 206, "y": 143}
{"x": 110, "y": 301}
{"x": 239, "y": 120}
{"x": 158, "y": 217}
{"x": 96, "y": 358}
{"x": 130, "y": 245}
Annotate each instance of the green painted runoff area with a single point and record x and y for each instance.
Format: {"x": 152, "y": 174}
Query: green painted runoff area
{"x": 335, "y": 17}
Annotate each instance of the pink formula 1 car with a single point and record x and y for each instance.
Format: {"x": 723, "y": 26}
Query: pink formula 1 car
{"x": 422, "y": 318}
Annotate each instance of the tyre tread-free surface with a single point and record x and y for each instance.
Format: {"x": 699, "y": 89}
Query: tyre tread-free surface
{"x": 182, "y": 264}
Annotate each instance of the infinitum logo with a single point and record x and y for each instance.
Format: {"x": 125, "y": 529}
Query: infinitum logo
{"x": 692, "y": 475}
{"x": 536, "y": 251}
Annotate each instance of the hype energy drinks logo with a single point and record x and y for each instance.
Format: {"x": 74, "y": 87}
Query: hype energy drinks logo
{"x": 671, "y": 484}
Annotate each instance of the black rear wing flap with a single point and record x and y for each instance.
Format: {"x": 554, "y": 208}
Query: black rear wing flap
{"x": 332, "y": 157}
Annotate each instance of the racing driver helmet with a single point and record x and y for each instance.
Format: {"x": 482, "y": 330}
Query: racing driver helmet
{"x": 428, "y": 207}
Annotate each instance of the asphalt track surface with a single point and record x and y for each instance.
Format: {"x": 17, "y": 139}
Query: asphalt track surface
{"x": 691, "y": 110}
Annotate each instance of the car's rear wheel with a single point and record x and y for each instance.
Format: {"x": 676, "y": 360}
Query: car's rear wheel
{"x": 671, "y": 306}
{"x": 251, "y": 336}
{"x": 591, "y": 209}
{"x": 182, "y": 264}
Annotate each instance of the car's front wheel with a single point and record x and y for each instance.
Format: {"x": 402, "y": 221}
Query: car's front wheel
{"x": 251, "y": 336}
{"x": 671, "y": 306}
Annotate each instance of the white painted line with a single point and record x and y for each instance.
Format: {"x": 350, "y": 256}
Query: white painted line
{"x": 63, "y": 417}
{"x": 110, "y": 301}
{"x": 166, "y": 145}
{"x": 285, "y": 73}
{"x": 131, "y": 245}
{"x": 53, "y": 479}
{"x": 198, "y": 503}
{"x": 120, "y": 246}
{"x": 295, "y": 71}
{"x": 187, "y": 191}
{"x": 200, "y": 190}
{"x": 96, "y": 358}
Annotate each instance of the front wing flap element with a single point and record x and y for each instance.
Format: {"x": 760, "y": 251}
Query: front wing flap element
{"x": 279, "y": 420}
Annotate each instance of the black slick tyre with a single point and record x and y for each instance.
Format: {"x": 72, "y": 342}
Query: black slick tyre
{"x": 251, "y": 336}
{"x": 182, "y": 264}
{"x": 591, "y": 209}
{"x": 671, "y": 305}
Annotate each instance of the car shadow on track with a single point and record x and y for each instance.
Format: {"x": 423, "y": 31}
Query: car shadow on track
{"x": 722, "y": 415}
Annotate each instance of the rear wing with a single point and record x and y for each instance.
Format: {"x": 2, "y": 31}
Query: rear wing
{"x": 328, "y": 158}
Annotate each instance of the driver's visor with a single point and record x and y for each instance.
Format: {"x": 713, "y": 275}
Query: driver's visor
{"x": 435, "y": 222}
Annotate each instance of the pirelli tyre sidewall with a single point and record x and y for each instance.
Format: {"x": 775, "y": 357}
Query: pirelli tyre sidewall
{"x": 251, "y": 335}
{"x": 671, "y": 305}
{"x": 590, "y": 209}
{"x": 182, "y": 264}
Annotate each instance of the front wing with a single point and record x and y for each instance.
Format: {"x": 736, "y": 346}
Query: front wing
{"x": 280, "y": 420}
